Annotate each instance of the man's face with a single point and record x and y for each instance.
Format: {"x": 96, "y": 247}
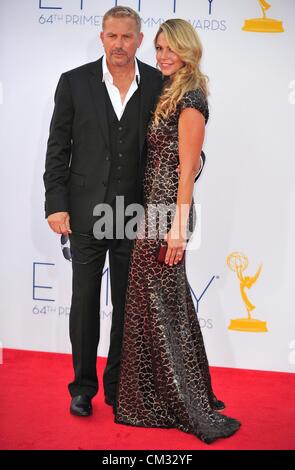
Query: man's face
{"x": 120, "y": 39}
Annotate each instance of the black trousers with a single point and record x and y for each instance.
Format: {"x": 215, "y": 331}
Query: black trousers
{"x": 88, "y": 258}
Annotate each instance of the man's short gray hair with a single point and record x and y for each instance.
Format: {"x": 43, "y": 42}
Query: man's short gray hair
{"x": 122, "y": 12}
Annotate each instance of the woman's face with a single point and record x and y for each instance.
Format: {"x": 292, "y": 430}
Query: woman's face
{"x": 168, "y": 61}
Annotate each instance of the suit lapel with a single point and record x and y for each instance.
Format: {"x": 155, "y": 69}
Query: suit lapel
{"x": 98, "y": 93}
{"x": 145, "y": 105}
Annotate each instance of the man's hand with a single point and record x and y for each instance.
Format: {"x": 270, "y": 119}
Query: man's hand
{"x": 59, "y": 222}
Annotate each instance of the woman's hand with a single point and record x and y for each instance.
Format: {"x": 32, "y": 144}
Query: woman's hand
{"x": 176, "y": 246}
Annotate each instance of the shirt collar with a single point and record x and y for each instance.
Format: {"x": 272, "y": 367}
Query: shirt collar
{"x": 106, "y": 74}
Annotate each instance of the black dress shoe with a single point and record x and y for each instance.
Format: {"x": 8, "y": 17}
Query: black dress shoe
{"x": 81, "y": 406}
{"x": 217, "y": 405}
{"x": 109, "y": 401}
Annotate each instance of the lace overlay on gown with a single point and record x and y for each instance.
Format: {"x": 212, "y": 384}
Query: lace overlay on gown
{"x": 164, "y": 376}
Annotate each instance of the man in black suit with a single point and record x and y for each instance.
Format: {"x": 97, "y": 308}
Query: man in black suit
{"x": 96, "y": 151}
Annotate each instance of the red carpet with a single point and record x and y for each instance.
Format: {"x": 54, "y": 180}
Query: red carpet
{"x": 34, "y": 414}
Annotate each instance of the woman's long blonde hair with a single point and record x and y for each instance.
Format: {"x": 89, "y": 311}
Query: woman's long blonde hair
{"x": 183, "y": 41}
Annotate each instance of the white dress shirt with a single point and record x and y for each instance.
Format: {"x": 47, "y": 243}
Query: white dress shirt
{"x": 114, "y": 92}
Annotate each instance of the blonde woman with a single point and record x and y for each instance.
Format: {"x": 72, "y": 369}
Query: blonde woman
{"x": 164, "y": 376}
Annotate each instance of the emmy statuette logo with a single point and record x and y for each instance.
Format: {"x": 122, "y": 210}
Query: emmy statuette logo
{"x": 263, "y": 24}
{"x": 238, "y": 262}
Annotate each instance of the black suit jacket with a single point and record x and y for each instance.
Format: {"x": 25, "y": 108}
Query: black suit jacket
{"x": 78, "y": 151}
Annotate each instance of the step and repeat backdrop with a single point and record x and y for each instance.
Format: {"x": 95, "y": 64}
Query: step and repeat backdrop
{"x": 241, "y": 270}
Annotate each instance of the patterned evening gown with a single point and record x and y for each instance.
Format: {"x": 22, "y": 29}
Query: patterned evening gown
{"x": 164, "y": 376}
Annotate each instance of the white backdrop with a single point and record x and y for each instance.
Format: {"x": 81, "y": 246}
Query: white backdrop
{"x": 246, "y": 192}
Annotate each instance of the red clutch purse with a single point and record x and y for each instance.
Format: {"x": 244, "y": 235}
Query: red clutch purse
{"x": 162, "y": 252}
